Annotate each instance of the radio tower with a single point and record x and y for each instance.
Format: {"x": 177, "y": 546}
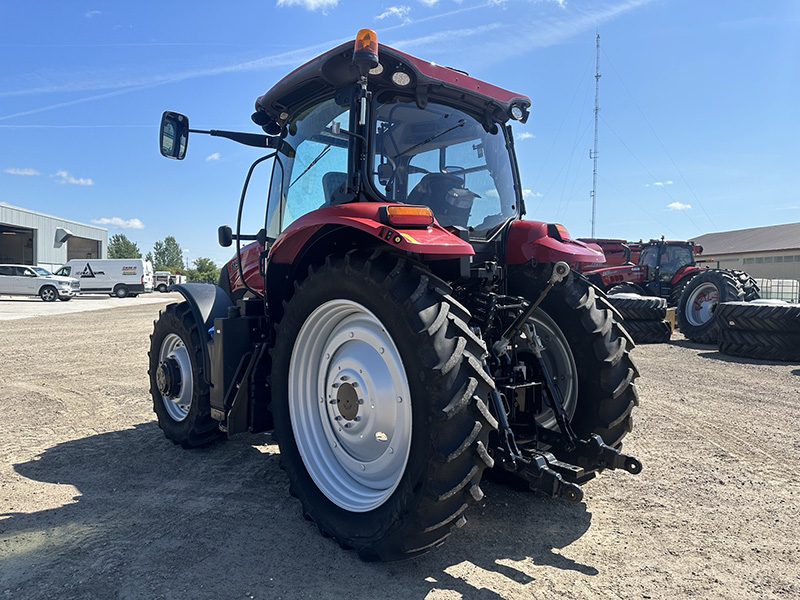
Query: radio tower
{"x": 593, "y": 153}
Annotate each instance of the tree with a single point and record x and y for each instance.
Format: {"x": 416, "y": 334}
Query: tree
{"x": 205, "y": 270}
{"x": 119, "y": 246}
{"x": 167, "y": 255}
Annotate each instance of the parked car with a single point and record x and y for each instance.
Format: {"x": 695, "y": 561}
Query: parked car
{"x": 25, "y": 280}
{"x": 118, "y": 277}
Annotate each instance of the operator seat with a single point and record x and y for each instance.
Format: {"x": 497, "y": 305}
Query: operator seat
{"x": 445, "y": 194}
{"x": 331, "y": 182}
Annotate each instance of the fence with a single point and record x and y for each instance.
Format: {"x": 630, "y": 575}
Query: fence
{"x": 780, "y": 289}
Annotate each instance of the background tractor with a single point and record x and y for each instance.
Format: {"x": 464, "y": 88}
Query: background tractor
{"x": 395, "y": 322}
{"x": 670, "y": 269}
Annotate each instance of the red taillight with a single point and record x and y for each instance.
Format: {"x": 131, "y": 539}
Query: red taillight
{"x": 415, "y": 217}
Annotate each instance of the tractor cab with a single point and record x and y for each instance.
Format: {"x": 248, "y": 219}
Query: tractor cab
{"x": 666, "y": 262}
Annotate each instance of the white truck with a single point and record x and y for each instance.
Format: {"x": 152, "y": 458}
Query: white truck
{"x": 163, "y": 279}
{"x": 120, "y": 277}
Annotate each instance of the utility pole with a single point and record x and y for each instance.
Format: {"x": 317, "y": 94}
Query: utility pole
{"x": 593, "y": 153}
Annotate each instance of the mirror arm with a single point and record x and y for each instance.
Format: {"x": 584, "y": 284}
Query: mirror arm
{"x": 248, "y": 139}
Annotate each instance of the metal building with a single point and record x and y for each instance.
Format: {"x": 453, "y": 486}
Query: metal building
{"x": 28, "y": 237}
{"x": 763, "y": 252}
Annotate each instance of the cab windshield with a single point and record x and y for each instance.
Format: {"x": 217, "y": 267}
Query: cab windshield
{"x": 443, "y": 158}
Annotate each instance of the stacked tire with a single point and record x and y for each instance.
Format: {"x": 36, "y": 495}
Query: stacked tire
{"x": 765, "y": 329}
{"x": 644, "y": 317}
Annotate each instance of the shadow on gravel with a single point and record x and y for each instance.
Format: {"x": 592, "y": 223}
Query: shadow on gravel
{"x": 153, "y": 520}
{"x": 692, "y": 345}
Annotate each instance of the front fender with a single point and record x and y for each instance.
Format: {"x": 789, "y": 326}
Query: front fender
{"x": 432, "y": 243}
{"x": 208, "y": 302}
{"x": 530, "y": 240}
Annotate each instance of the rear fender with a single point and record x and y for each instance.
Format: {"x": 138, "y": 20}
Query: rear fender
{"x": 431, "y": 243}
{"x": 531, "y": 241}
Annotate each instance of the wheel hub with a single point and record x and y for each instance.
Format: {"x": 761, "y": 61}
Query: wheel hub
{"x": 347, "y": 401}
{"x": 168, "y": 378}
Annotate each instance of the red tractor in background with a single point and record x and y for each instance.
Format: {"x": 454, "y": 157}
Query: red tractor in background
{"x": 669, "y": 269}
{"x": 395, "y": 322}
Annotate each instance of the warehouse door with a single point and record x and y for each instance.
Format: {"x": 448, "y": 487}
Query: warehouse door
{"x": 80, "y": 248}
{"x": 16, "y": 245}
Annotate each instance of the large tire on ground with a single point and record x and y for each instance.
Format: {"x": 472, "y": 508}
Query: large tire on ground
{"x": 640, "y": 308}
{"x": 603, "y": 390}
{"x": 626, "y": 288}
{"x": 761, "y": 329}
{"x": 648, "y": 332}
{"x": 162, "y": 288}
{"x": 48, "y": 293}
{"x": 761, "y": 315}
{"x": 701, "y": 296}
{"x": 121, "y": 291}
{"x": 380, "y": 403}
{"x": 766, "y": 345}
{"x": 180, "y": 393}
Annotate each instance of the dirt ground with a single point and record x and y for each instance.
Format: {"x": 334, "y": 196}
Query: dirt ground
{"x": 96, "y": 503}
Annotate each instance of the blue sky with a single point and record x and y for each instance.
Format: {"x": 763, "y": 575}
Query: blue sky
{"x": 698, "y": 132}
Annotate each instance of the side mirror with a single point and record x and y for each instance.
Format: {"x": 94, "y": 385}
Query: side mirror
{"x": 225, "y": 236}
{"x": 174, "y": 135}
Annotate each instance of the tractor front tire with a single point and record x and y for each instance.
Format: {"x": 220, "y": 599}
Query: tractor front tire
{"x": 180, "y": 393}
{"x": 380, "y": 405}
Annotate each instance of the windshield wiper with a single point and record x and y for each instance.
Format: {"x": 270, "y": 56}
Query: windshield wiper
{"x": 311, "y": 164}
{"x": 460, "y": 123}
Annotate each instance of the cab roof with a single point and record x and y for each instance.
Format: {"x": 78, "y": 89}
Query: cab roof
{"x": 321, "y": 78}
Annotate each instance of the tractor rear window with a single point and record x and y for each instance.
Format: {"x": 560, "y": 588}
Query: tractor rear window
{"x": 443, "y": 158}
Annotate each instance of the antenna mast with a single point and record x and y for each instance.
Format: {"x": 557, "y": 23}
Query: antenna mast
{"x": 593, "y": 154}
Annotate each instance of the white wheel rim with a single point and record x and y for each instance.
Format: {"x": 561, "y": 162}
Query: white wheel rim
{"x": 701, "y": 304}
{"x": 173, "y": 347}
{"x": 350, "y": 405}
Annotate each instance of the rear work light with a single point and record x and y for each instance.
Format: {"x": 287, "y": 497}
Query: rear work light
{"x": 414, "y": 217}
{"x": 557, "y": 231}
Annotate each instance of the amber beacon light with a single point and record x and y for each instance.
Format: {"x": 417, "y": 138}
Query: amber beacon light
{"x": 365, "y": 52}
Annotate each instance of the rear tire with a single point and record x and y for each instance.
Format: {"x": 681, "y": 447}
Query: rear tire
{"x": 180, "y": 393}
{"x": 393, "y": 474}
{"x": 606, "y": 393}
{"x": 697, "y": 307}
{"x": 121, "y": 291}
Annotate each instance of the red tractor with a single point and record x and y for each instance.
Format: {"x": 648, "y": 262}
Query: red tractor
{"x": 395, "y": 322}
{"x": 669, "y": 269}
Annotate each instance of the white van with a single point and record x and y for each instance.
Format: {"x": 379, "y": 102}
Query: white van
{"x": 118, "y": 277}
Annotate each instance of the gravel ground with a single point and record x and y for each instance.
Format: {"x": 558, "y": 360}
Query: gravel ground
{"x": 95, "y": 502}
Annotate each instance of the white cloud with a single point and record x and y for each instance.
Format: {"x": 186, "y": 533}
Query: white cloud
{"x": 531, "y": 194}
{"x": 215, "y": 156}
{"x": 121, "y": 223}
{"x": 64, "y": 177}
{"x": 14, "y": 171}
{"x": 401, "y": 12}
{"x": 91, "y": 13}
{"x": 678, "y": 206}
{"x": 429, "y": 3}
{"x": 525, "y": 135}
{"x": 659, "y": 183}
{"x": 321, "y": 5}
